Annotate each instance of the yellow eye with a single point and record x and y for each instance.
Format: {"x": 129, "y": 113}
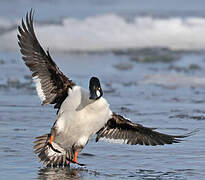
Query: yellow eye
{"x": 99, "y": 88}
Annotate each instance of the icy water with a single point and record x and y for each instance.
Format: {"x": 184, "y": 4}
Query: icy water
{"x": 156, "y": 87}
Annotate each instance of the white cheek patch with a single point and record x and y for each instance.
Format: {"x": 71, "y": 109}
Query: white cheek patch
{"x": 39, "y": 89}
{"x": 98, "y": 93}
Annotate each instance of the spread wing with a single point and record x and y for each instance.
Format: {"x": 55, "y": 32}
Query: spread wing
{"x": 51, "y": 84}
{"x": 120, "y": 128}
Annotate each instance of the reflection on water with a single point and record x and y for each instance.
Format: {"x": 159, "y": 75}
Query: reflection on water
{"x": 67, "y": 173}
{"x": 82, "y": 174}
{"x": 61, "y": 173}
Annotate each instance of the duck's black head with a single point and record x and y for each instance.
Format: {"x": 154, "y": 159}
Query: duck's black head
{"x": 95, "y": 88}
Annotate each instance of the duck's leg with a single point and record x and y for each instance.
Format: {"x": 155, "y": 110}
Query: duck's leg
{"x": 52, "y": 135}
{"x": 75, "y": 157}
{"x": 51, "y": 139}
{"x": 74, "y": 160}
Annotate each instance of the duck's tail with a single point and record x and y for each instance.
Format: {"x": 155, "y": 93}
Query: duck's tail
{"x": 51, "y": 154}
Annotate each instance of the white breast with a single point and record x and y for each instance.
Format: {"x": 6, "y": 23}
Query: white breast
{"x": 79, "y": 117}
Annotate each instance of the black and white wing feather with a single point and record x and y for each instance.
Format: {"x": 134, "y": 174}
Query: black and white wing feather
{"x": 120, "y": 128}
{"x": 51, "y": 84}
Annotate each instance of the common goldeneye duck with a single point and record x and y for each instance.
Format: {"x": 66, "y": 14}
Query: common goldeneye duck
{"x": 81, "y": 113}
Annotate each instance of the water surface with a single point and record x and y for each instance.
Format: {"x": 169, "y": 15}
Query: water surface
{"x": 161, "y": 87}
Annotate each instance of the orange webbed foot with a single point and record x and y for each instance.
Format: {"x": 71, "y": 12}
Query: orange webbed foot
{"x": 51, "y": 139}
{"x": 75, "y": 158}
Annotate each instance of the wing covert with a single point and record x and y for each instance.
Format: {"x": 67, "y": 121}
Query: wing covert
{"x": 120, "y": 128}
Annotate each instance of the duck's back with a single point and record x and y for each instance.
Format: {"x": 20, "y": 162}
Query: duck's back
{"x": 73, "y": 100}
